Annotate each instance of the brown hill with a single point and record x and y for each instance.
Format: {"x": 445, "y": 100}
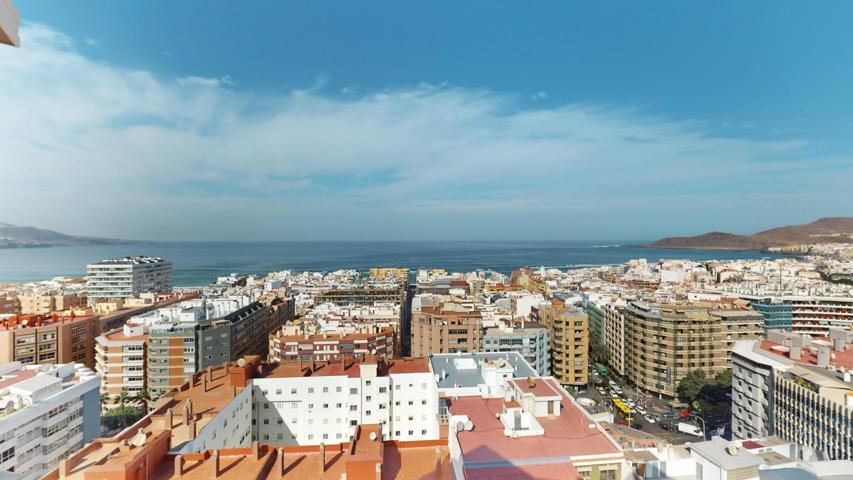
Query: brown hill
{"x": 825, "y": 230}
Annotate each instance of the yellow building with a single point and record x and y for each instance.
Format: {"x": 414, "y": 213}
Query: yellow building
{"x": 389, "y": 273}
{"x": 569, "y": 329}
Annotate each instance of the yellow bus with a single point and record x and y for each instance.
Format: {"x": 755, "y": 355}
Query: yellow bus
{"x": 623, "y": 410}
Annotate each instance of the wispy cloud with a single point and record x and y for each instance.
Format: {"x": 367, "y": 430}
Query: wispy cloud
{"x": 100, "y": 149}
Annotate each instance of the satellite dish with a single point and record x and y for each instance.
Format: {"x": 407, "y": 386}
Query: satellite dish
{"x": 138, "y": 440}
{"x": 241, "y": 362}
{"x": 460, "y": 426}
{"x": 373, "y": 436}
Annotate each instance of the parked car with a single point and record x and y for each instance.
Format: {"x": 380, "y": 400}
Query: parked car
{"x": 650, "y": 419}
{"x": 641, "y": 410}
{"x": 668, "y": 415}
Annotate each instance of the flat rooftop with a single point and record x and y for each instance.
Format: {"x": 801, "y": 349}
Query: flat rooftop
{"x": 837, "y": 358}
{"x": 463, "y": 370}
{"x": 347, "y": 367}
{"x": 488, "y": 453}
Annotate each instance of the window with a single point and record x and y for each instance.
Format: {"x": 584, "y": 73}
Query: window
{"x": 423, "y": 432}
{"x": 353, "y": 391}
{"x": 266, "y": 421}
{"x": 383, "y": 390}
{"x": 367, "y": 383}
{"x": 278, "y": 391}
{"x": 310, "y": 389}
{"x": 338, "y": 389}
{"x": 325, "y": 389}
{"x": 293, "y": 391}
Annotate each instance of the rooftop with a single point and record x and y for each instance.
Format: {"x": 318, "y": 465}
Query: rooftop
{"x": 463, "y": 370}
{"x": 568, "y": 437}
{"x": 809, "y": 355}
{"x": 138, "y": 260}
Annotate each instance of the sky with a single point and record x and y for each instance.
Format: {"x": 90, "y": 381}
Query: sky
{"x": 389, "y": 120}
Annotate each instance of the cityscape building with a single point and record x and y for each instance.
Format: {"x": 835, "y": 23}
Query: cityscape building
{"x": 47, "y": 412}
{"x": 127, "y": 277}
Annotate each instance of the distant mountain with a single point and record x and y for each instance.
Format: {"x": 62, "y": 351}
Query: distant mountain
{"x": 825, "y": 230}
{"x": 13, "y": 236}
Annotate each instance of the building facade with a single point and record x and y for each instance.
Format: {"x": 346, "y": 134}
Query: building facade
{"x": 310, "y": 404}
{"x": 446, "y": 328}
{"x": 37, "y": 339}
{"x": 127, "y": 277}
{"x": 49, "y": 412}
{"x": 664, "y": 342}
{"x": 325, "y": 347}
{"x": 531, "y": 340}
{"x": 569, "y": 331}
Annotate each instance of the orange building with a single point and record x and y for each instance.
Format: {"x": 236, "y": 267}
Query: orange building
{"x": 32, "y": 339}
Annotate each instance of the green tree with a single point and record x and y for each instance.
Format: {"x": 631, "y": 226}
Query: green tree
{"x": 724, "y": 379}
{"x": 143, "y": 399}
{"x": 105, "y": 400}
{"x": 690, "y": 386}
{"x": 123, "y": 399}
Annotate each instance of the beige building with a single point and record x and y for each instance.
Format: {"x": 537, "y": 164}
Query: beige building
{"x": 446, "y": 328}
{"x": 8, "y": 305}
{"x": 32, "y": 339}
{"x": 569, "y": 329}
{"x": 380, "y": 273}
{"x": 120, "y": 361}
{"x": 663, "y": 342}
{"x": 43, "y": 304}
{"x": 614, "y": 331}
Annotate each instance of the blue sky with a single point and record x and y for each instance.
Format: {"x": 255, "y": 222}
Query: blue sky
{"x": 427, "y": 120}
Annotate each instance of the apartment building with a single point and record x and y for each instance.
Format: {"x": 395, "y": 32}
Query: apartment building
{"x": 9, "y": 305}
{"x": 362, "y": 295}
{"x": 213, "y": 427}
{"x": 46, "y": 303}
{"x": 664, "y": 342}
{"x": 388, "y": 273}
{"x": 37, "y": 339}
{"x": 127, "y": 277}
{"x": 201, "y": 337}
{"x": 48, "y": 412}
{"x": 798, "y": 388}
{"x": 531, "y": 340}
{"x": 309, "y": 403}
{"x": 121, "y": 360}
{"x": 810, "y": 315}
{"x": 506, "y": 422}
{"x": 614, "y": 331}
{"x": 569, "y": 332}
{"x": 329, "y": 347}
{"x": 448, "y": 327}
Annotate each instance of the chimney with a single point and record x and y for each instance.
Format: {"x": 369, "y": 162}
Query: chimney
{"x": 179, "y": 465}
{"x": 796, "y": 347}
{"x": 65, "y": 468}
{"x": 823, "y": 356}
{"x": 322, "y": 458}
{"x": 282, "y": 462}
{"x": 256, "y": 449}
{"x": 233, "y": 391}
{"x": 209, "y": 373}
{"x": 170, "y": 417}
{"x": 838, "y": 336}
{"x": 204, "y": 383}
{"x": 378, "y": 471}
{"x": 215, "y": 463}
{"x": 531, "y": 382}
{"x": 187, "y": 412}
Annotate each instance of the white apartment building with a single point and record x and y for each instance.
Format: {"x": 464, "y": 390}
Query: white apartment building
{"x": 530, "y": 339}
{"x": 323, "y": 403}
{"x": 127, "y": 277}
{"x": 797, "y": 388}
{"x": 46, "y": 413}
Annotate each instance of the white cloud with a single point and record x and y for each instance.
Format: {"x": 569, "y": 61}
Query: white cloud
{"x": 99, "y": 149}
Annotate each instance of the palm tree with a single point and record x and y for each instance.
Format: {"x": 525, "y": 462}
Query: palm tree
{"x": 123, "y": 399}
{"x": 105, "y": 400}
{"x": 142, "y": 398}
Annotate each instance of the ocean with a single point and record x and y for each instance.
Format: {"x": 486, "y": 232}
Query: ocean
{"x": 199, "y": 263}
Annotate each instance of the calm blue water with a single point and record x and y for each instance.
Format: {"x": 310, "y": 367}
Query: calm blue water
{"x": 198, "y": 263}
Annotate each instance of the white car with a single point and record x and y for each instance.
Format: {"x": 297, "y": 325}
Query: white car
{"x": 641, "y": 410}
{"x": 650, "y": 418}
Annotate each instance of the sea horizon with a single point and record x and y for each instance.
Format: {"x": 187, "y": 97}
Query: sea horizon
{"x": 198, "y": 263}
